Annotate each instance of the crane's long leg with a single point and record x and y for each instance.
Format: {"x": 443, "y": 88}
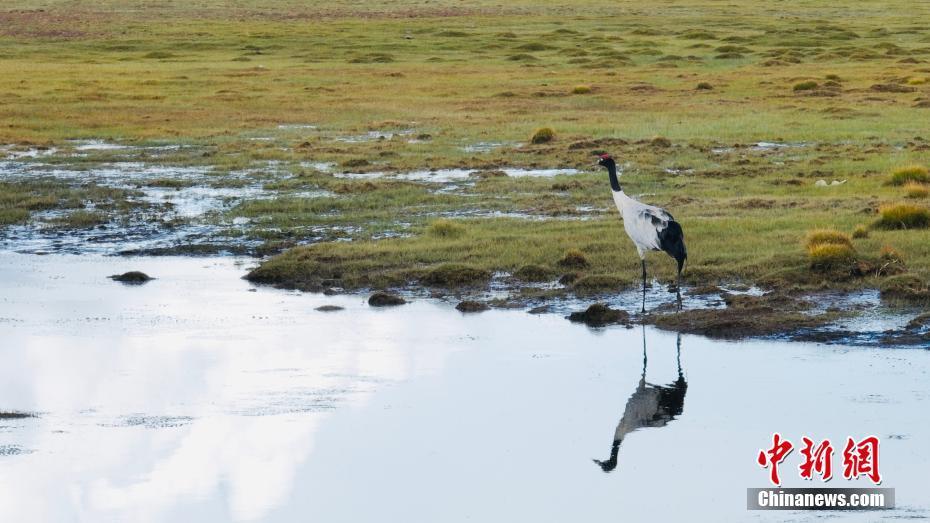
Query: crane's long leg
{"x": 678, "y": 287}
{"x": 644, "y": 284}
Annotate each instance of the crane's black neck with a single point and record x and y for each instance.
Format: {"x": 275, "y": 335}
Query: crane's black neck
{"x": 612, "y": 173}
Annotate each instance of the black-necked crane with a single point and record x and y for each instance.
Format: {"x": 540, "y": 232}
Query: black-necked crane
{"x": 651, "y": 228}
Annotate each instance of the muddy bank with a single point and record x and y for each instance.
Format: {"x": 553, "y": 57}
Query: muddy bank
{"x": 746, "y": 316}
{"x": 736, "y": 312}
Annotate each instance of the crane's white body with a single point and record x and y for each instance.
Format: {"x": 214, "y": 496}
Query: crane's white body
{"x": 650, "y": 228}
{"x": 642, "y": 222}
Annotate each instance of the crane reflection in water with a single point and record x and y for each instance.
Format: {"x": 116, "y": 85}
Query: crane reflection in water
{"x": 649, "y": 406}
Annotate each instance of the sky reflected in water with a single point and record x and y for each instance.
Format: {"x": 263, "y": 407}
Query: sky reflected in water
{"x": 199, "y": 397}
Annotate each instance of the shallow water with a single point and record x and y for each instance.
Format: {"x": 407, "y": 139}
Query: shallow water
{"x": 178, "y": 206}
{"x": 163, "y": 217}
{"x": 453, "y": 175}
{"x": 200, "y": 397}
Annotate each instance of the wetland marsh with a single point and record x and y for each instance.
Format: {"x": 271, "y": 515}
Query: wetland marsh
{"x": 347, "y": 138}
{"x": 261, "y": 260}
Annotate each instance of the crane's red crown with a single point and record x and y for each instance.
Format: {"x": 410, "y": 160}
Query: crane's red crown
{"x": 604, "y": 156}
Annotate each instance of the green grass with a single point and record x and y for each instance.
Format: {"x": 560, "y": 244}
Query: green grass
{"x": 916, "y": 190}
{"x": 81, "y": 219}
{"x": 446, "y": 229}
{"x": 221, "y": 75}
{"x": 20, "y": 200}
{"x": 903, "y": 216}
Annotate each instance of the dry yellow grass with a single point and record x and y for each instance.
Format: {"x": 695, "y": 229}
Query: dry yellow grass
{"x": 820, "y": 237}
{"x": 916, "y": 190}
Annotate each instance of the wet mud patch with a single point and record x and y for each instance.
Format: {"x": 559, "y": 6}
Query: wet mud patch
{"x": 132, "y": 278}
{"x": 850, "y": 318}
{"x": 472, "y": 306}
{"x": 600, "y": 315}
{"x": 384, "y": 299}
{"x": 744, "y": 317}
{"x": 329, "y": 308}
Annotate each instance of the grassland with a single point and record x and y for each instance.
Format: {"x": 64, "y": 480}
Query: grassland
{"x": 840, "y": 87}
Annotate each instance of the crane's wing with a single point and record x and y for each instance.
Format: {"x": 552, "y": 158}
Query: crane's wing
{"x": 645, "y": 230}
{"x": 656, "y": 216}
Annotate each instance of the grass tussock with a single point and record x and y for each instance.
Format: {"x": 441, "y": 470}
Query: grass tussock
{"x": 446, "y": 229}
{"x": 916, "y": 191}
{"x": 81, "y": 219}
{"x": 598, "y": 283}
{"x": 905, "y": 288}
{"x": 861, "y": 231}
{"x": 453, "y": 275}
{"x": 829, "y": 257}
{"x": 574, "y": 259}
{"x": 909, "y": 173}
{"x": 808, "y": 85}
{"x": 890, "y": 254}
{"x": 581, "y": 89}
{"x": 903, "y": 216}
{"x": 819, "y": 237}
{"x": 542, "y": 135}
{"x": 660, "y": 142}
{"x": 13, "y": 216}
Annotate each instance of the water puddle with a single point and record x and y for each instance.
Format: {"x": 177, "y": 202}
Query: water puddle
{"x": 296, "y": 127}
{"x": 373, "y": 136}
{"x": 319, "y": 166}
{"x": 175, "y": 203}
{"x": 760, "y": 147}
{"x": 486, "y": 147}
{"x": 872, "y": 318}
{"x": 259, "y": 407}
{"x": 11, "y": 152}
{"x": 454, "y": 175}
{"x": 169, "y": 205}
{"x": 98, "y": 145}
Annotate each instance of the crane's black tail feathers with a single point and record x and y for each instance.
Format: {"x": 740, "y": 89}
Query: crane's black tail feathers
{"x": 672, "y": 241}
